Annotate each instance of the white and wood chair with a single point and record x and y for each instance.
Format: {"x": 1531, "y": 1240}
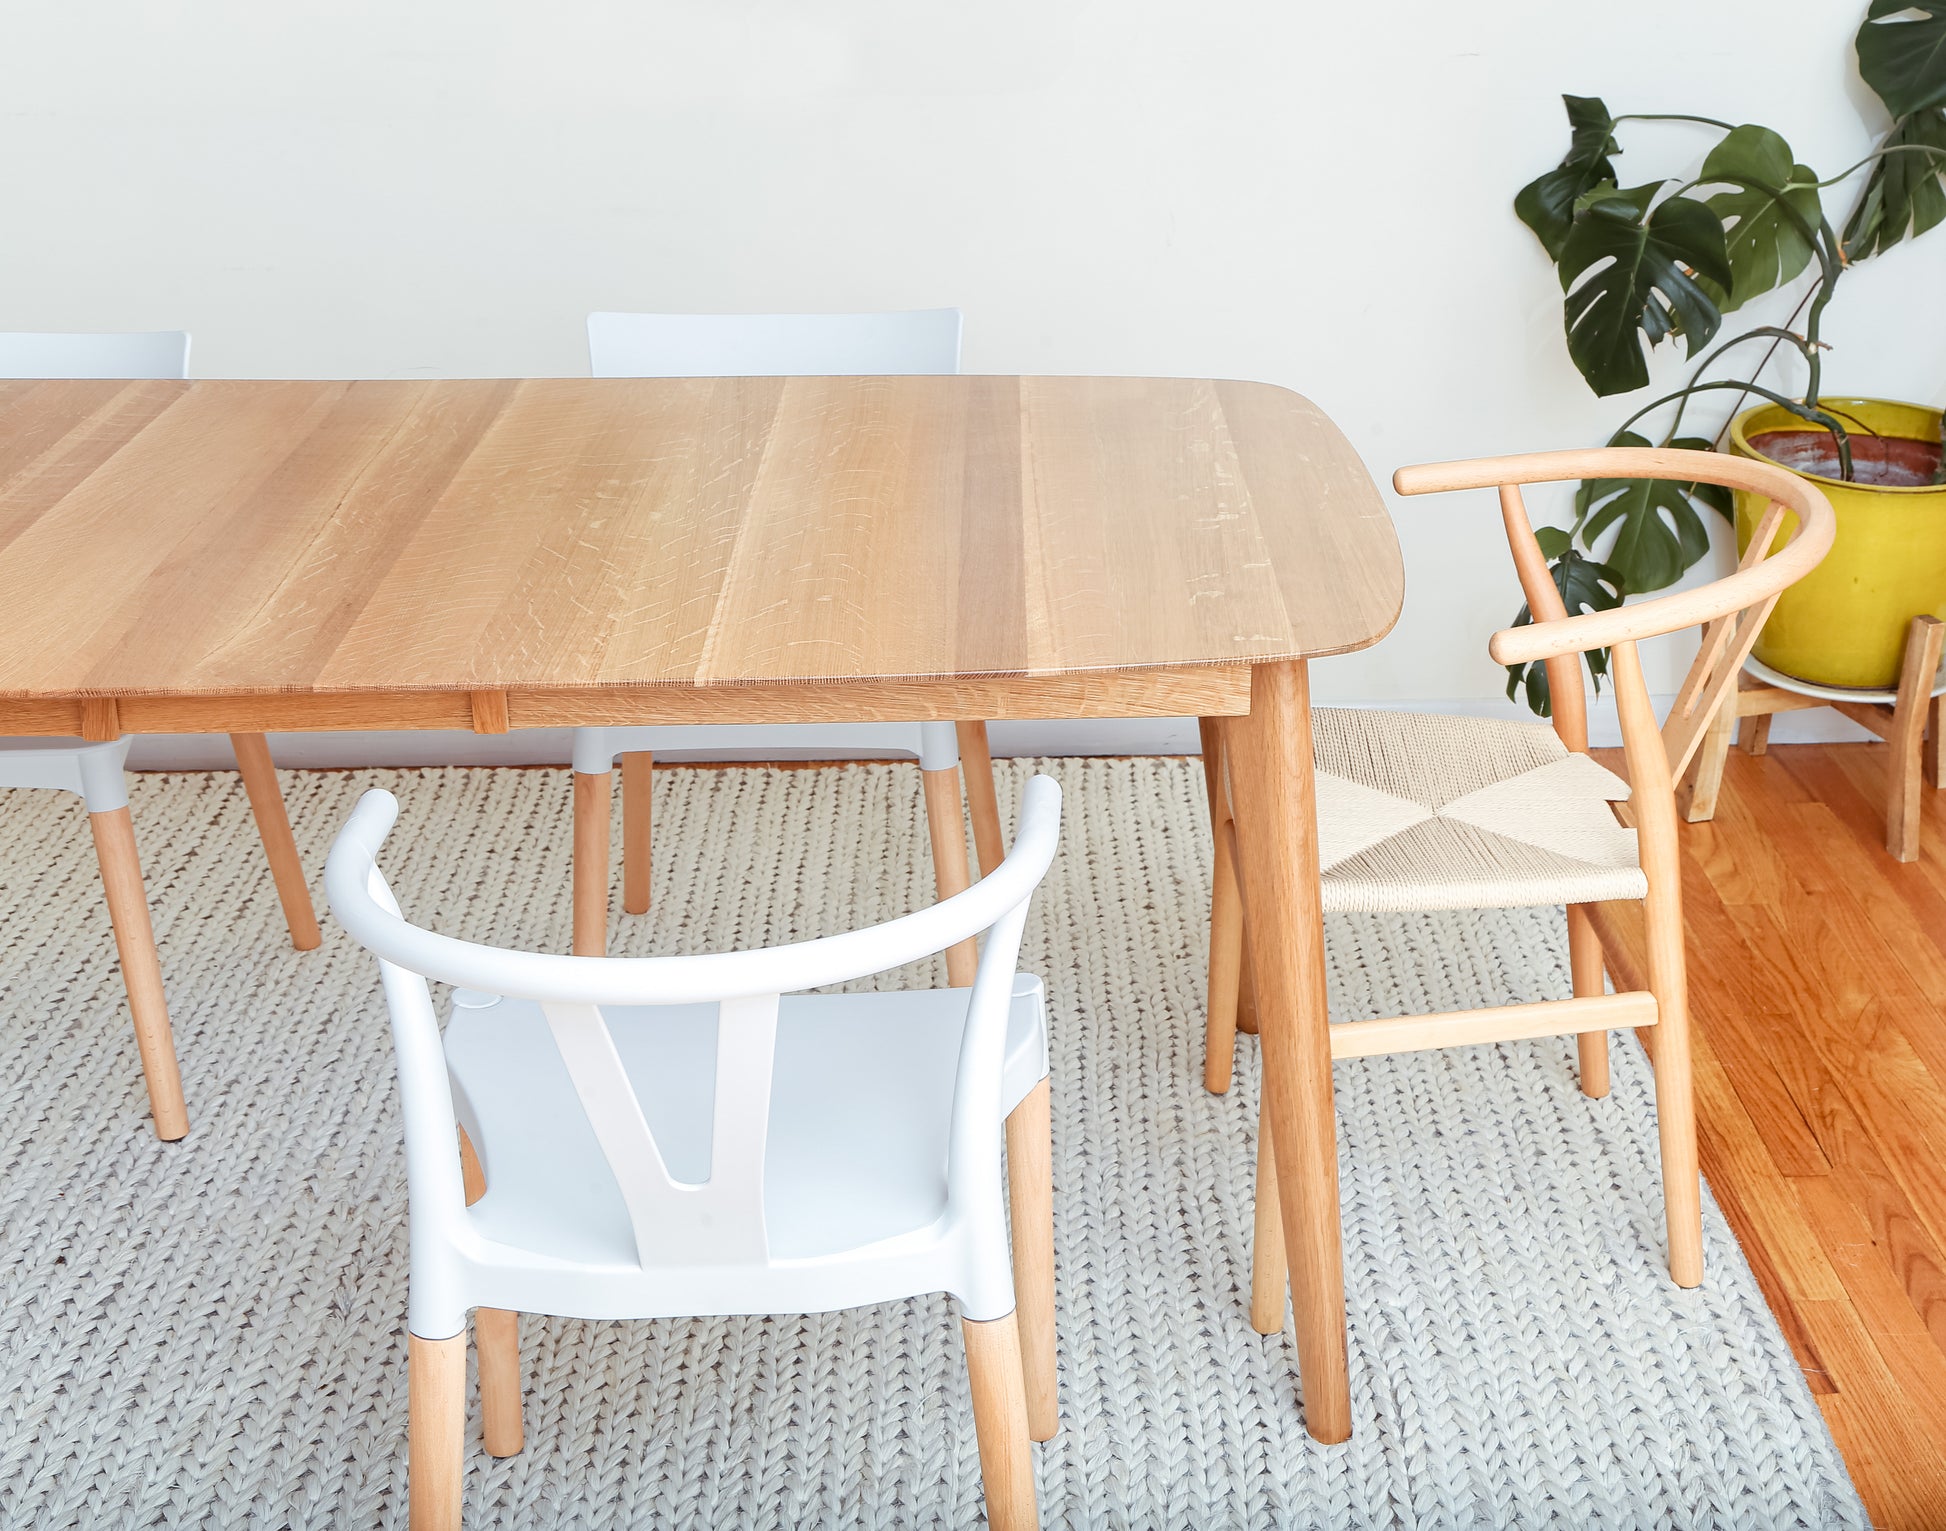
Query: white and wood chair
{"x": 682, "y": 1136}
{"x": 93, "y": 770}
{"x": 1427, "y": 812}
{"x": 1907, "y": 718}
{"x": 917, "y": 342}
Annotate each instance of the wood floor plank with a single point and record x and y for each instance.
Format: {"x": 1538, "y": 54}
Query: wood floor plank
{"x": 1894, "y": 1456}
{"x": 1818, "y": 986}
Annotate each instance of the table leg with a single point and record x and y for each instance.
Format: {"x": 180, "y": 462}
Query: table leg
{"x": 947, "y": 823}
{"x": 593, "y": 795}
{"x": 1271, "y": 792}
{"x": 259, "y": 775}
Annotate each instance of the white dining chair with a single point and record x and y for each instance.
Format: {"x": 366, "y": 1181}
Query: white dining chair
{"x": 93, "y": 770}
{"x": 661, "y": 1137}
{"x": 916, "y": 342}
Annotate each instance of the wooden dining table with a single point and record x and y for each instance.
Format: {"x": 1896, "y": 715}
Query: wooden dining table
{"x": 243, "y": 557}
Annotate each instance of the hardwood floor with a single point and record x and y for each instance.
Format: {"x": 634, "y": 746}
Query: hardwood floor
{"x": 1818, "y": 987}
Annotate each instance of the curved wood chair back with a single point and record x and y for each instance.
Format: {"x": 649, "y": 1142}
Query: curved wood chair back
{"x": 1732, "y": 609}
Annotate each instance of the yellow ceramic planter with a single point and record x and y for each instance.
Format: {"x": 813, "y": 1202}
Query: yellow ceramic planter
{"x": 1844, "y": 624}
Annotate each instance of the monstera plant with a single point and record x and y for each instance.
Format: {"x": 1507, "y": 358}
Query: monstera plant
{"x": 1667, "y": 259}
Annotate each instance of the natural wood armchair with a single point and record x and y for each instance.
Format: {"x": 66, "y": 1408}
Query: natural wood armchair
{"x": 1421, "y": 812}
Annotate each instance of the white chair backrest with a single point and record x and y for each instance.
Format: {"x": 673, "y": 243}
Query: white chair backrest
{"x": 917, "y": 341}
{"x": 140, "y": 354}
{"x": 721, "y": 1221}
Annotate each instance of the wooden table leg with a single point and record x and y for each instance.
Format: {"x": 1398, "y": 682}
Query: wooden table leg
{"x": 128, "y": 912}
{"x": 274, "y": 829}
{"x": 947, "y": 823}
{"x": 637, "y": 800}
{"x": 593, "y": 795}
{"x": 1271, "y": 792}
{"x": 982, "y": 801}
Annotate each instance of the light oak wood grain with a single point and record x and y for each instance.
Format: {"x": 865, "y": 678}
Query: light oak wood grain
{"x": 1268, "y": 758}
{"x": 128, "y": 912}
{"x": 190, "y": 539}
{"x": 1490, "y": 1023}
{"x": 274, "y": 829}
{"x": 1000, "y": 1422}
{"x": 1171, "y": 691}
{"x": 435, "y": 1430}
{"x": 1030, "y": 1207}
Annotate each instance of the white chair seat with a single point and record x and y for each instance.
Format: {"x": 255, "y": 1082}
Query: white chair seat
{"x": 858, "y": 1151}
{"x": 1427, "y": 811}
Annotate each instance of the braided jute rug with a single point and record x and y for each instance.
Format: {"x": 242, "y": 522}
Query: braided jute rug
{"x": 209, "y": 1333}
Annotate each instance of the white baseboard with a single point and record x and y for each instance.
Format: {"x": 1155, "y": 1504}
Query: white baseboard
{"x": 1091, "y": 736}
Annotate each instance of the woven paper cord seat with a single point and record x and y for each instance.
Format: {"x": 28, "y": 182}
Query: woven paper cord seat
{"x": 1425, "y": 811}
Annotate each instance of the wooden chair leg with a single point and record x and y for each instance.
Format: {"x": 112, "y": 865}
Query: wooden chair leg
{"x": 496, "y": 1339}
{"x": 496, "y": 1345}
{"x": 1697, "y": 797}
{"x": 1247, "y": 994}
{"x": 947, "y": 823}
{"x": 1935, "y": 716}
{"x": 1000, "y": 1420}
{"x": 593, "y": 791}
{"x": 274, "y": 829}
{"x": 1675, "y": 1089}
{"x": 128, "y": 912}
{"x": 436, "y": 1430}
{"x": 982, "y": 800}
{"x": 1229, "y": 979}
{"x": 1753, "y": 734}
{"x": 471, "y": 1176}
{"x": 1225, "y": 971}
{"x": 1585, "y": 963}
{"x": 1675, "y": 1105}
{"x": 1030, "y": 1199}
{"x": 1270, "y": 1274}
{"x": 637, "y": 771}
{"x": 1907, "y": 736}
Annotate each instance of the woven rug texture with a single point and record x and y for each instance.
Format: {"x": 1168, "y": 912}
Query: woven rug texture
{"x": 209, "y": 1333}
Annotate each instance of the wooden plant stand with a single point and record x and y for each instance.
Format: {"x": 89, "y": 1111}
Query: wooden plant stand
{"x": 1907, "y": 719}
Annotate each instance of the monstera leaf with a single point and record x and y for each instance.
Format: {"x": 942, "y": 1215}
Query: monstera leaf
{"x": 1585, "y": 586}
{"x": 1769, "y": 211}
{"x": 1906, "y": 192}
{"x": 1902, "y": 54}
{"x": 1630, "y": 274}
{"x": 1546, "y": 205}
{"x": 1658, "y": 532}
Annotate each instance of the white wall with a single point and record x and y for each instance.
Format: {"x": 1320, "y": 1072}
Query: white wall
{"x": 1315, "y": 195}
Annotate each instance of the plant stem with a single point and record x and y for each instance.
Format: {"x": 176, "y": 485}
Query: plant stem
{"x": 1766, "y": 331}
{"x": 1803, "y": 410}
{"x": 1768, "y": 355}
{"x": 1880, "y": 153}
{"x": 1708, "y": 122}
